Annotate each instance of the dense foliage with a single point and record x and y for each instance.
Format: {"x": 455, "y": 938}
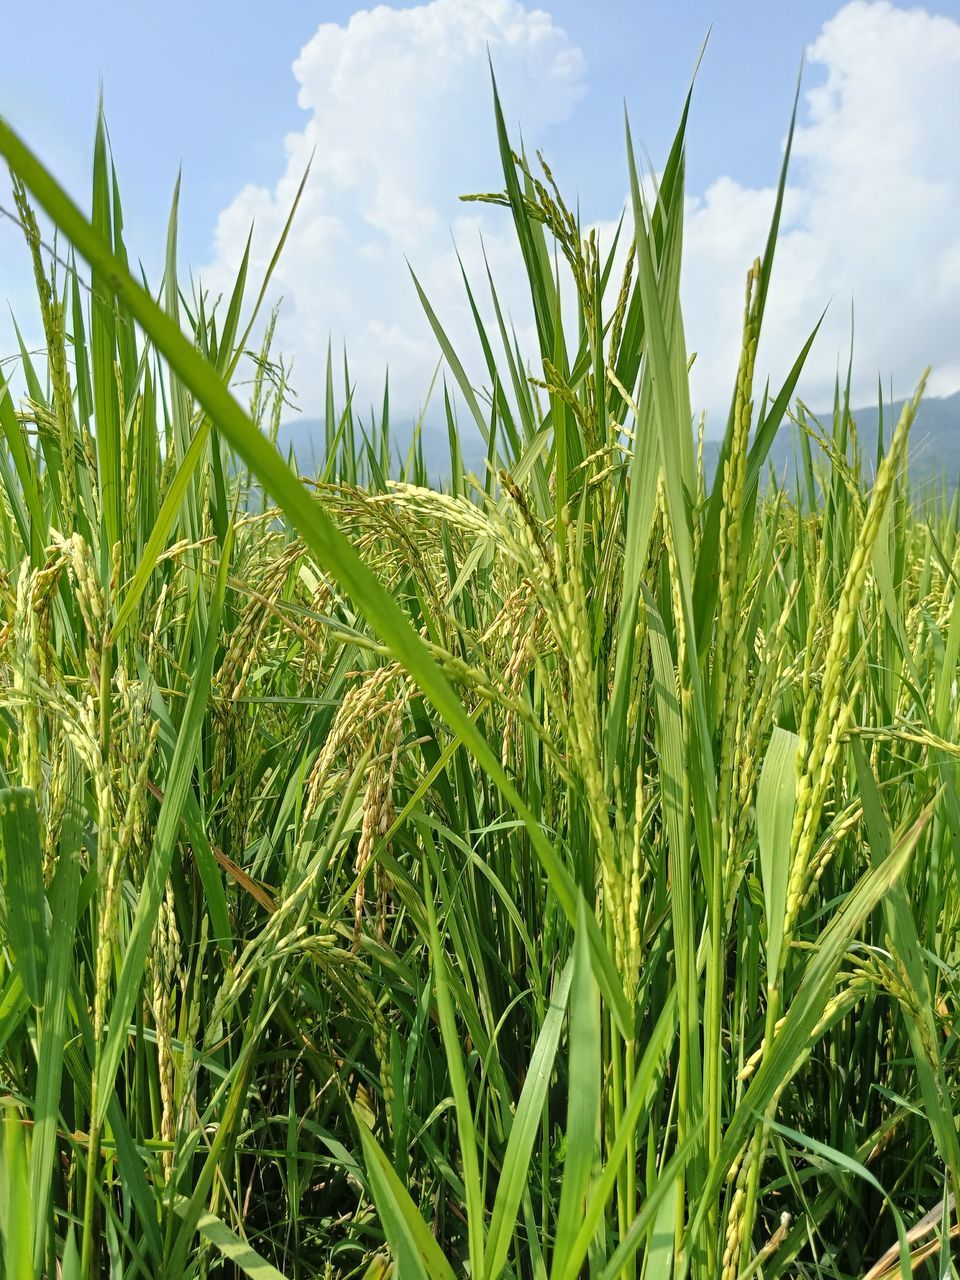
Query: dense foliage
{"x": 548, "y": 873}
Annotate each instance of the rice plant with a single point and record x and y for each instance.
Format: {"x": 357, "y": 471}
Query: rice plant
{"x": 547, "y": 872}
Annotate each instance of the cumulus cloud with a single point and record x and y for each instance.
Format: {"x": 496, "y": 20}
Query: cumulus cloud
{"x": 870, "y": 217}
{"x": 399, "y": 123}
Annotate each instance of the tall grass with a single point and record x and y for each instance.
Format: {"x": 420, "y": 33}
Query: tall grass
{"x": 548, "y": 873}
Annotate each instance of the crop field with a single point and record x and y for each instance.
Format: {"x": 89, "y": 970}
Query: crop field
{"x": 543, "y": 872}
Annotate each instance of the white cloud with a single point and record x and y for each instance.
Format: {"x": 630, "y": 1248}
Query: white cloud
{"x": 400, "y": 123}
{"x": 871, "y": 218}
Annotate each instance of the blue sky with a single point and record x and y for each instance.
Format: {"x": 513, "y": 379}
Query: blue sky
{"x": 212, "y": 87}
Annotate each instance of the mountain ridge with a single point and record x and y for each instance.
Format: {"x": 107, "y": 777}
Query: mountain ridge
{"x": 934, "y": 450}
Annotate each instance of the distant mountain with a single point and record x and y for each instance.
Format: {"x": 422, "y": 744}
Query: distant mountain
{"x": 305, "y": 436}
{"x": 934, "y": 437}
{"x": 934, "y": 449}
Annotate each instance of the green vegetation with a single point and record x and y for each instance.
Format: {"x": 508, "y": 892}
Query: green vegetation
{"x": 546, "y": 875}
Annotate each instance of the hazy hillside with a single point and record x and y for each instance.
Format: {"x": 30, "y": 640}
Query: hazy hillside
{"x": 935, "y": 450}
{"x": 935, "y": 441}
{"x": 305, "y": 437}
